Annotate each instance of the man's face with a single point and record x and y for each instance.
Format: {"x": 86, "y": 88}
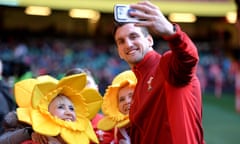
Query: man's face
{"x": 132, "y": 44}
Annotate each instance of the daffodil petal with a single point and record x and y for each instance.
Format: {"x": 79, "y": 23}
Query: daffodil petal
{"x": 23, "y": 91}
{"x": 126, "y": 75}
{"x": 81, "y": 124}
{"x": 46, "y": 83}
{"x": 106, "y": 123}
{"x": 23, "y": 115}
{"x": 46, "y": 79}
{"x": 73, "y": 137}
{"x": 90, "y": 133}
{"x": 110, "y": 105}
{"x": 93, "y": 100}
{"x": 37, "y": 96}
{"x": 123, "y": 123}
{"x": 77, "y": 81}
{"x": 44, "y": 125}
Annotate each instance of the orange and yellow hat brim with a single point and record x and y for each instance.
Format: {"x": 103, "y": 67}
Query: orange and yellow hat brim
{"x": 112, "y": 116}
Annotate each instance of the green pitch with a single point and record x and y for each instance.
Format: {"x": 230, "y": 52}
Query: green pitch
{"x": 220, "y": 120}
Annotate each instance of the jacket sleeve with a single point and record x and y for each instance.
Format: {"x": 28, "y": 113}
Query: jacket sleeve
{"x": 15, "y": 137}
{"x": 15, "y": 132}
{"x": 182, "y": 59}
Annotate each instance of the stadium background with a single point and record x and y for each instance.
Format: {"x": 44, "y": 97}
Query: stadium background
{"x": 57, "y": 42}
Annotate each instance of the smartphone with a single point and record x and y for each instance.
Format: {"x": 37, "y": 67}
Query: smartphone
{"x": 121, "y": 13}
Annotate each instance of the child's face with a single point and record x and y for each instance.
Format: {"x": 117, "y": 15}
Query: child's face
{"x": 62, "y": 108}
{"x": 124, "y": 99}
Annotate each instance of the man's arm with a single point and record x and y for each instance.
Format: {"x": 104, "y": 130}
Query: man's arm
{"x": 182, "y": 59}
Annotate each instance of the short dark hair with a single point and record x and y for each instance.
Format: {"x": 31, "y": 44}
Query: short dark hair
{"x": 78, "y": 71}
{"x": 118, "y": 25}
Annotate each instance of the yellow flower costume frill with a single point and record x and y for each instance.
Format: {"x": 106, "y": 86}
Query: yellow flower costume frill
{"x": 112, "y": 116}
{"x": 33, "y": 97}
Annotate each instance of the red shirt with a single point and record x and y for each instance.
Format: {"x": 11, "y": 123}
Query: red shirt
{"x": 167, "y": 104}
{"x": 104, "y": 137}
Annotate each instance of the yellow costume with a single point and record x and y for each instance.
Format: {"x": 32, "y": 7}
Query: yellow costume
{"x": 34, "y": 95}
{"x": 113, "y": 117}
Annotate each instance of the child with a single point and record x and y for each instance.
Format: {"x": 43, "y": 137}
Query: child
{"x": 43, "y": 100}
{"x": 116, "y": 106}
{"x": 61, "y": 107}
{"x": 104, "y": 137}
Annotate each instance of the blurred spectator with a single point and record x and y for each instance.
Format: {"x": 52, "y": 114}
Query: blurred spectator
{"x": 20, "y": 51}
{"x": 202, "y": 77}
{"x": 216, "y": 73}
{"x": 235, "y": 70}
{"x": 54, "y": 56}
{"x": 21, "y": 71}
{"x": 6, "y": 98}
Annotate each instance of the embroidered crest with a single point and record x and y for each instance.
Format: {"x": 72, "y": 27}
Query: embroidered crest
{"x": 149, "y": 82}
{"x": 100, "y": 134}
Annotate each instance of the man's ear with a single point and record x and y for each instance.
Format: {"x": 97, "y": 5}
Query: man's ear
{"x": 150, "y": 40}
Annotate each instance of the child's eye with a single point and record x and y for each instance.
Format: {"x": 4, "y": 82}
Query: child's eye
{"x": 121, "y": 99}
{"x": 71, "y": 108}
{"x": 130, "y": 95}
{"x": 60, "y": 107}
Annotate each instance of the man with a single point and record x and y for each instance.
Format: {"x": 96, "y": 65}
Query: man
{"x": 166, "y": 106}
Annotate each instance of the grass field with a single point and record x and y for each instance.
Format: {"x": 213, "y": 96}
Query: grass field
{"x": 220, "y": 120}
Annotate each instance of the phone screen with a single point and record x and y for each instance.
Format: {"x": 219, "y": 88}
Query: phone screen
{"x": 121, "y": 13}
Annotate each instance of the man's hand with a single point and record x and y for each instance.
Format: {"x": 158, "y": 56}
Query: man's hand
{"x": 154, "y": 19}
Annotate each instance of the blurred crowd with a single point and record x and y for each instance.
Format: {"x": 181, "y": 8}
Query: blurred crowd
{"x": 31, "y": 57}
{"x": 54, "y": 56}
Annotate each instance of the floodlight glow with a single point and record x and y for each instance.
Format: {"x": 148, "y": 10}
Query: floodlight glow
{"x": 231, "y": 17}
{"x": 38, "y": 10}
{"x": 85, "y": 13}
{"x": 182, "y": 17}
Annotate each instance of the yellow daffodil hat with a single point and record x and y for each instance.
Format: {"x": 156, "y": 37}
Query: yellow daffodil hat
{"x": 34, "y": 95}
{"x": 112, "y": 116}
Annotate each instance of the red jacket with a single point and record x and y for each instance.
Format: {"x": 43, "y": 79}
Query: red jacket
{"x": 167, "y": 104}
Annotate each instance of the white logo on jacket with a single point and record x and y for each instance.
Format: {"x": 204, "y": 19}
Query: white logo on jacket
{"x": 149, "y": 82}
